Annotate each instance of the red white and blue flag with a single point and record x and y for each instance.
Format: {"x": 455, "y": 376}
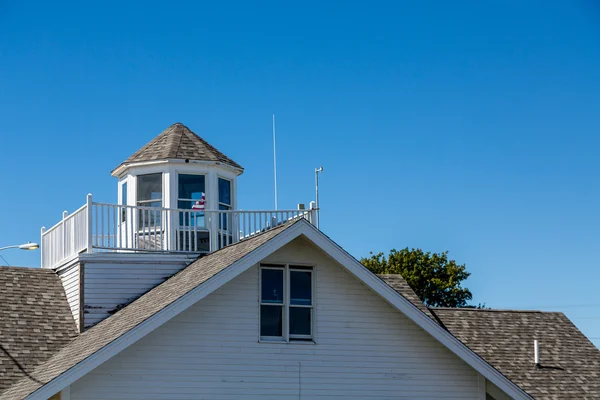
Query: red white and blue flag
{"x": 199, "y": 205}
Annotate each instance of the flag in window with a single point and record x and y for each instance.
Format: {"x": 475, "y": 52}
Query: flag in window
{"x": 199, "y": 205}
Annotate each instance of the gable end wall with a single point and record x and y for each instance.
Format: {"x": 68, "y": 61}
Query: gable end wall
{"x": 364, "y": 349}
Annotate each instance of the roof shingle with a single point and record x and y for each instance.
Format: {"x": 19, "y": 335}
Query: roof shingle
{"x": 138, "y": 311}
{"x": 397, "y": 282}
{"x": 570, "y": 363}
{"x": 35, "y": 320}
{"x": 179, "y": 142}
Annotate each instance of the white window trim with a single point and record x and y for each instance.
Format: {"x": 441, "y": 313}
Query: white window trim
{"x": 286, "y": 337}
{"x": 142, "y": 203}
{"x": 219, "y": 203}
{"x": 178, "y": 199}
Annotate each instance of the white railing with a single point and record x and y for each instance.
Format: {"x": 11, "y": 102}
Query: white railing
{"x": 65, "y": 239}
{"x": 102, "y": 227}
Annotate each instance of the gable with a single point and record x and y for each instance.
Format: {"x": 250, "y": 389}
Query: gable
{"x": 365, "y": 348}
{"x": 198, "y": 280}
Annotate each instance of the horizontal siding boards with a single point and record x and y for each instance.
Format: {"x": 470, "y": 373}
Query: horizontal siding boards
{"x": 109, "y": 287}
{"x": 365, "y": 350}
{"x": 70, "y": 281}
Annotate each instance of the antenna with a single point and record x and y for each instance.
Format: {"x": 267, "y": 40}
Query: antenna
{"x": 317, "y": 170}
{"x": 274, "y": 164}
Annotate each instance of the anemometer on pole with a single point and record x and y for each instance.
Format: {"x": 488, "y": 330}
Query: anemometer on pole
{"x": 317, "y": 170}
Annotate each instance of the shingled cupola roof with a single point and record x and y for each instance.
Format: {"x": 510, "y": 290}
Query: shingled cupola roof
{"x": 178, "y": 142}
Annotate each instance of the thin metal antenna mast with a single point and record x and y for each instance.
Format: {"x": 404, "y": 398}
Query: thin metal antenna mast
{"x": 317, "y": 170}
{"x": 274, "y": 163}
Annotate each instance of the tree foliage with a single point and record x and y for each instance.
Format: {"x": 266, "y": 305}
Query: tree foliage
{"x": 434, "y": 278}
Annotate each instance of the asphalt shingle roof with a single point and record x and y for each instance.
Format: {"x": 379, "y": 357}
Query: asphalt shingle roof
{"x": 397, "y": 282}
{"x": 179, "y": 142}
{"x": 100, "y": 335}
{"x": 570, "y": 363}
{"x": 35, "y": 320}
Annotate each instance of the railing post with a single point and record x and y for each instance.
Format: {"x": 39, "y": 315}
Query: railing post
{"x": 312, "y": 216}
{"x": 213, "y": 229}
{"x": 43, "y": 248}
{"x": 64, "y": 234}
{"x": 88, "y": 218}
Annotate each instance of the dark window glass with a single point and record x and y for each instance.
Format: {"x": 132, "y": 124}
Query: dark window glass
{"x": 191, "y": 187}
{"x": 124, "y": 193}
{"x": 224, "y": 191}
{"x": 149, "y": 194}
{"x": 299, "y": 321}
{"x": 300, "y": 288}
{"x": 149, "y": 190}
{"x": 272, "y": 286}
{"x": 271, "y": 318}
{"x": 124, "y": 201}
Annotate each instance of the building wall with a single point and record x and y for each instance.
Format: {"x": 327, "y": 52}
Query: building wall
{"x": 108, "y": 286}
{"x": 69, "y": 277}
{"x": 364, "y": 349}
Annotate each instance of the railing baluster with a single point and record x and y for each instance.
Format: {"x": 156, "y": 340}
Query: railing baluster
{"x": 188, "y": 241}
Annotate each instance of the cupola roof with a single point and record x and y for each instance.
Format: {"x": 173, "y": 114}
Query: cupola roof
{"x": 178, "y": 142}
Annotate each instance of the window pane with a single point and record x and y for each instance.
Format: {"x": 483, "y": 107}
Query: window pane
{"x": 224, "y": 191}
{"x": 150, "y": 188}
{"x": 300, "y": 288}
{"x": 271, "y": 319}
{"x": 190, "y": 218}
{"x": 272, "y": 285}
{"x": 224, "y": 218}
{"x": 300, "y": 321}
{"x": 191, "y": 187}
{"x": 124, "y": 201}
{"x": 124, "y": 193}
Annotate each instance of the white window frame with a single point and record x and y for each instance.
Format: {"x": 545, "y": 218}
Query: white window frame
{"x": 192, "y": 200}
{"x": 287, "y": 269}
{"x": 143, "y": 203}
{"x": 219, "y": 203}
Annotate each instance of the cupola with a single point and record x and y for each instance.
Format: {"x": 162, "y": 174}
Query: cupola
{"x": 177, "y": 170}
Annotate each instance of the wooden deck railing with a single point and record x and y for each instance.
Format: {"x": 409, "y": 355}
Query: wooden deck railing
{"x": 102, "y": 227}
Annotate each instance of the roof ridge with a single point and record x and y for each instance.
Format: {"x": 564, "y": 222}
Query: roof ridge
{"x": 18, "y": 267}
{"x": 490, "y": 310}
{"x": 183, "y": 132}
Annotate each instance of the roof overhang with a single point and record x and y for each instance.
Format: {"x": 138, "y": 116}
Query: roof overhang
{"x": 122, "y": 169}
{"x": 300, "y": 228}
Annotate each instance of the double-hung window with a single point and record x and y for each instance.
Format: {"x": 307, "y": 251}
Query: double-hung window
{"x": 124, "y": 201}
{"x": 191, "y": 190}
{"x": 286, "y": 302}
{"x": 224, "y": 200}
{"x": 149, "y": 194}
{"x": 225, "y": 219}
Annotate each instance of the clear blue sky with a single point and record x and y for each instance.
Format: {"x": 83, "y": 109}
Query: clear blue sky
{"x": 468, "y": 126}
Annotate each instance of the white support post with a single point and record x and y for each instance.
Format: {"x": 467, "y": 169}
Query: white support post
{"x": 88, "y": 210}
{"x": 313, "y": 213}
{"x": 213, "y": 226}
{"x": 65, "y": 214}
{"x": 42, "y": 231}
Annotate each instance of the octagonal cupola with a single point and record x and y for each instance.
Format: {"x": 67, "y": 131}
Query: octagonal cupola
{"x": 176, "y": 170}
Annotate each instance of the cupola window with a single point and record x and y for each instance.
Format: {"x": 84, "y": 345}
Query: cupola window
{"x": 149, "y": 194}
{"x": 191, "y": 195}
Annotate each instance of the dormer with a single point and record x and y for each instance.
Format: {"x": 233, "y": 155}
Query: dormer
{"x": 174, "y": 170}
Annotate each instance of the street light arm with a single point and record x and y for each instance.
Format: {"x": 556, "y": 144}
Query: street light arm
{"x": 9, "y": 247}
{"x": 26, "y": 246}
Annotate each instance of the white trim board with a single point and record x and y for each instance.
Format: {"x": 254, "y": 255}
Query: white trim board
{"x": 286, "y": 236}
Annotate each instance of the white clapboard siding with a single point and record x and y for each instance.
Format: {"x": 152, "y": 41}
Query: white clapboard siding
{"x": 69, "y": 277}
{"x": 365, "y": 349}
{"x": 108, "y": 287}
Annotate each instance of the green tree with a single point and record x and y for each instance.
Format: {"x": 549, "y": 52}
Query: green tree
{"x": 434, "y": 278}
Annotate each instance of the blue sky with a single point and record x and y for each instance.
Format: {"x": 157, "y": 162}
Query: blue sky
{"x": 468, "y": 126}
